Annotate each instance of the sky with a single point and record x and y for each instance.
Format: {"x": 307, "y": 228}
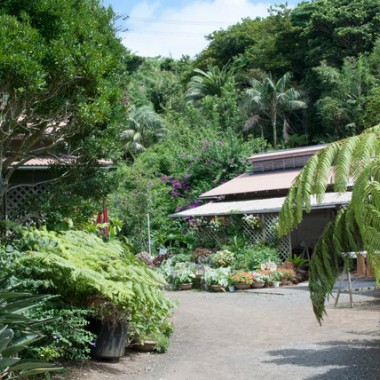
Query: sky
{"x": 172, "y": 28}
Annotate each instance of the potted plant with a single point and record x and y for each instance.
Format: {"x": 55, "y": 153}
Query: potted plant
{"x": 276, "y": 278}
{"x": 259, "y": 280}
{"x": 183, "y": 278}
{"x": 231, "y": 284}
{"x": 110, "y": 324}
{"x": 223, "y": 258}
{"x": 216, "y": 279}
{"x": 288, "y": 275}
{"x": 242, "y": 280}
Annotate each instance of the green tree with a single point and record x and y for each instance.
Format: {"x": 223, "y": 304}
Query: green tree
{"x": 155, "y": 82}
{"x": 207, "y": 83}
{"x": 249, "y": 44}
{"x": 271, "y": 99}
{"x": 344, "y": 95}
{"x": 61, "y": 79}
{"x": 144, "y": 127}
{"x": 355, "y": 227}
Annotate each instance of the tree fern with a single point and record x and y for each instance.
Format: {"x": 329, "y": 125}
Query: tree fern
{"x": 357, "y": 227}
{"x": 82, "y": 268}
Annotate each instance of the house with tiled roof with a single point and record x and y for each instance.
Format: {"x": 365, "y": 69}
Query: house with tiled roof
{"x": 261, "y": 193}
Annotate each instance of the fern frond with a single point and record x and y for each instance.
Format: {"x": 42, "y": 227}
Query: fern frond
{"x": 81, "y": 264}
{"x": 344, "y": 163}
{"x": 356, "y": 227}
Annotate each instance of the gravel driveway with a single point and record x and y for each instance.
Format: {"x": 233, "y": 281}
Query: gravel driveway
{"x": 259, "y": 334}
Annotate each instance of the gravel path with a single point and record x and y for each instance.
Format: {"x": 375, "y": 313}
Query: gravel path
{"x": 259, "y": 334}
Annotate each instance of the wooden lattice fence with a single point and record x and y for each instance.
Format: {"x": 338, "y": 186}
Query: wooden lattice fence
{"x": 267, "y": 232}
{"x": 17, "y": 196}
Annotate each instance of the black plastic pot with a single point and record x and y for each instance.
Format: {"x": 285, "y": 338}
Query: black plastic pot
{"x": 110, "y": 340}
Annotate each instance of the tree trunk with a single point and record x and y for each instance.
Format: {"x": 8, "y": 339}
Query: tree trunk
{"x": 3, "y": 187}
{"x": 274, "y": 127}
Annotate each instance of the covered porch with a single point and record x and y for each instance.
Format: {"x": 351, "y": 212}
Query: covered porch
{"x": 259, "y": 216}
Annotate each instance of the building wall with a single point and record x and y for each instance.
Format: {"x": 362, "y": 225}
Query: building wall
{"x": 311, "y": 228}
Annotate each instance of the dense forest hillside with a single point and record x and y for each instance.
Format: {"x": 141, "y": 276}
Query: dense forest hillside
{"x": 298, "y": 77}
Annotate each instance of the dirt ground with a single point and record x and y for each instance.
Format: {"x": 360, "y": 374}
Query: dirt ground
{"x": 258, "y": 334}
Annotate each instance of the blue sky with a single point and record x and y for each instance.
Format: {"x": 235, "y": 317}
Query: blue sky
{"x": 173, "y": 28}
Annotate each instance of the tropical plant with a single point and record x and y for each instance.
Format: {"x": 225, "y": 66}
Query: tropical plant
{"x": 261, "y": 276}
{"x": 144, "y": 127}
{"x": 356, "y": 162}
{"x": 86, "y": 271}
{"x": 287, "y": 274}
{"x": 207, "y": 83}
{"x": 17, "y": 333}
{"x": 145, "y": 257}
{"x": 272, "y": 99}
{"x": 201, "y": 255}
{"x": 297, "y": 261}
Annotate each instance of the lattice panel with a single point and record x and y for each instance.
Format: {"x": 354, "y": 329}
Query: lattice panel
{"x": 267, "y": 233}
{"x": 254, "y": 236}
{"x": 217, "y": 235}
{"x": 17, "y": 197}
{"x": 209, "y": 234}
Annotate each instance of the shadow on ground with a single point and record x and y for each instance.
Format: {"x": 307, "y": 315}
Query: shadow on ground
{"x": 343, "y": 360}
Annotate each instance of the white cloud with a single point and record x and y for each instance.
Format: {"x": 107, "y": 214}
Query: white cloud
{"x": 176, "y": 32}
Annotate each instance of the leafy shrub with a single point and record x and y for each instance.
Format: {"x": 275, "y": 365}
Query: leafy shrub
{"x": 180, "y": 258}
{"x": 183, "y": 275}
{"x": 253, "y": 256}
{"x": 223, "y": 258}
{"x": 158, "y": 260}
{"x": 201, "y": 255}
{"x": 66, "y": 336}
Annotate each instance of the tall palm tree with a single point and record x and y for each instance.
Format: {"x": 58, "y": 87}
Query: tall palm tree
{"x": 144, "y": 127}
{"x": 272, "y": 99}
{"x": 206, "y": 83}
{"x": 356, "y": 227}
